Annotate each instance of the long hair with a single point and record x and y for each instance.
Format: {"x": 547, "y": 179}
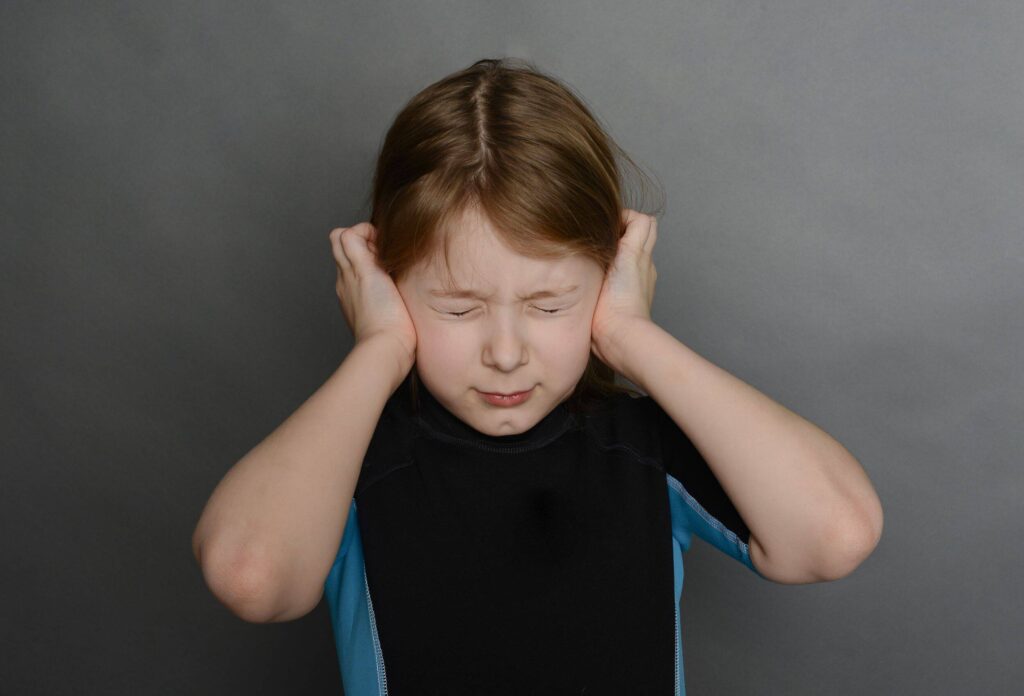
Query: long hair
{"x": 522, "y": 148}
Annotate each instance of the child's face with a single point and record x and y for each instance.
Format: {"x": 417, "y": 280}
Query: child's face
{"x": 503, "y": 343}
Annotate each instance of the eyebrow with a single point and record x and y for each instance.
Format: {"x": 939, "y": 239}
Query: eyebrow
{"x": 476, "y": 294}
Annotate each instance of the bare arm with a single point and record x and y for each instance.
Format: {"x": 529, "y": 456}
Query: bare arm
{"x": 272, "y": 527}
{"x": 812, "y": 511}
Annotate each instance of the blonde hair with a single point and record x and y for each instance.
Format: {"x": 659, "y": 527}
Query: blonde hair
{"x": 520, "y": 147}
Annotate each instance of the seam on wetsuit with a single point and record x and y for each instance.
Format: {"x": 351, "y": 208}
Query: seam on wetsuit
{"x": 639, "y": 456}
{"x": 499, "y": 449}
{"x": 385, "y": 474}
{"x": 382, "y": 675}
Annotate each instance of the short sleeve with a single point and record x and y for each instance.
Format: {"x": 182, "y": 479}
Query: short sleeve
{"x": 699, "y": 504}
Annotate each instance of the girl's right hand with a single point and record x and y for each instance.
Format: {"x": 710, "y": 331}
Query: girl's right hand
{"x": 368, "y": 296}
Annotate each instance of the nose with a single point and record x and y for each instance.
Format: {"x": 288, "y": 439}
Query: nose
{"x": 505, "y": 347}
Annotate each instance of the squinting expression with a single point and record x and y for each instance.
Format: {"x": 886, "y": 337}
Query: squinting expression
{"x": 514, "y": 324}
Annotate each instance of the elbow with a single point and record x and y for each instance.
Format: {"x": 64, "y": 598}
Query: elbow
{"x": 242, "y": 582}
{"x": 848, "y": 544}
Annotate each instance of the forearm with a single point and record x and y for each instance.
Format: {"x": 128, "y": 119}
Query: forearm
{"x": 804, "y": 497}
{"x": 276, "y": 518}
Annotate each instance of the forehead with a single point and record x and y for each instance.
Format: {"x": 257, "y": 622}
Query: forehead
{"x": 480, "y": 264}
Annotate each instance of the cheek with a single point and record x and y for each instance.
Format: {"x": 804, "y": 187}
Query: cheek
{"x": 566, "y": 344}
{"x": 440, "y": 347}
{"x": 577, "y": 329}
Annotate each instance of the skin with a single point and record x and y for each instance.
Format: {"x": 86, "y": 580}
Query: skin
{"x": 503, "y": 343}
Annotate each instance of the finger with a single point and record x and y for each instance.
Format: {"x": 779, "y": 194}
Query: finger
{"x": 368, "y": 234}
{"x": 338, "y": 250}
{"x": 638, "y": 230}
{"x": 628, "y": 216}
{"x": 354, "y": 245}
{"x": 363, "y": 229}
{"x": 652, "y": 236}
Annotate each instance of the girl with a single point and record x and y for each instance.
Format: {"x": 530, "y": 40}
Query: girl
{"x": 486, "y": 510}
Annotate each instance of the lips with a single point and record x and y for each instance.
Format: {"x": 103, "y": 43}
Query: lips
{"x": 507, "y": 399}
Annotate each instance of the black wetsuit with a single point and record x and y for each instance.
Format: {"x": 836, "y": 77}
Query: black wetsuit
{"x": 548, "y": 562}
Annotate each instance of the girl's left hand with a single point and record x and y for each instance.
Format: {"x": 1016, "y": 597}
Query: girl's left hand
{"x": 628, "y": 289}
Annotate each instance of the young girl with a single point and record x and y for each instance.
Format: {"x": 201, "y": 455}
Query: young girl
{"x": 486, "y": 510}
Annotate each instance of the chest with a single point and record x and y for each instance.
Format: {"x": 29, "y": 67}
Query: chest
{"x": 561, "y": 558}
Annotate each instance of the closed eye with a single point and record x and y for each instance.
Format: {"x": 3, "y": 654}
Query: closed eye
{"x": 461, "y": 314}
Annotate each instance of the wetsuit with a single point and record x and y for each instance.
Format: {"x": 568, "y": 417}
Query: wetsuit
{"x": 548, "y": 562}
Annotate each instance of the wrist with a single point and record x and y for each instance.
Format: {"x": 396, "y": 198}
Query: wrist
{"x": 619, "y": 348}
{"x": 394, "y": 356}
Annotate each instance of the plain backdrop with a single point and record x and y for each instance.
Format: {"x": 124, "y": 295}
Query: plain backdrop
{"x": 844, "y": 230}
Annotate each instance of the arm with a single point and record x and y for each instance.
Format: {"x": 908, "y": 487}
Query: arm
{"x": 811, "y": 509}
{"x": 272, "y": 527}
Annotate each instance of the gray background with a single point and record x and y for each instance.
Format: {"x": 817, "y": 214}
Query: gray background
{"x": 843, "y": 230}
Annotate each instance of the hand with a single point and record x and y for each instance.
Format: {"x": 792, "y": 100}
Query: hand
{"x": 368, "y": 296}
{"x": 628, "y": 289}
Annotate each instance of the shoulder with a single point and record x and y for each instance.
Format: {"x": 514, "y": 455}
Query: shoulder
{"x": 391, "y": 444}
{"x": 626, "y": 421}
